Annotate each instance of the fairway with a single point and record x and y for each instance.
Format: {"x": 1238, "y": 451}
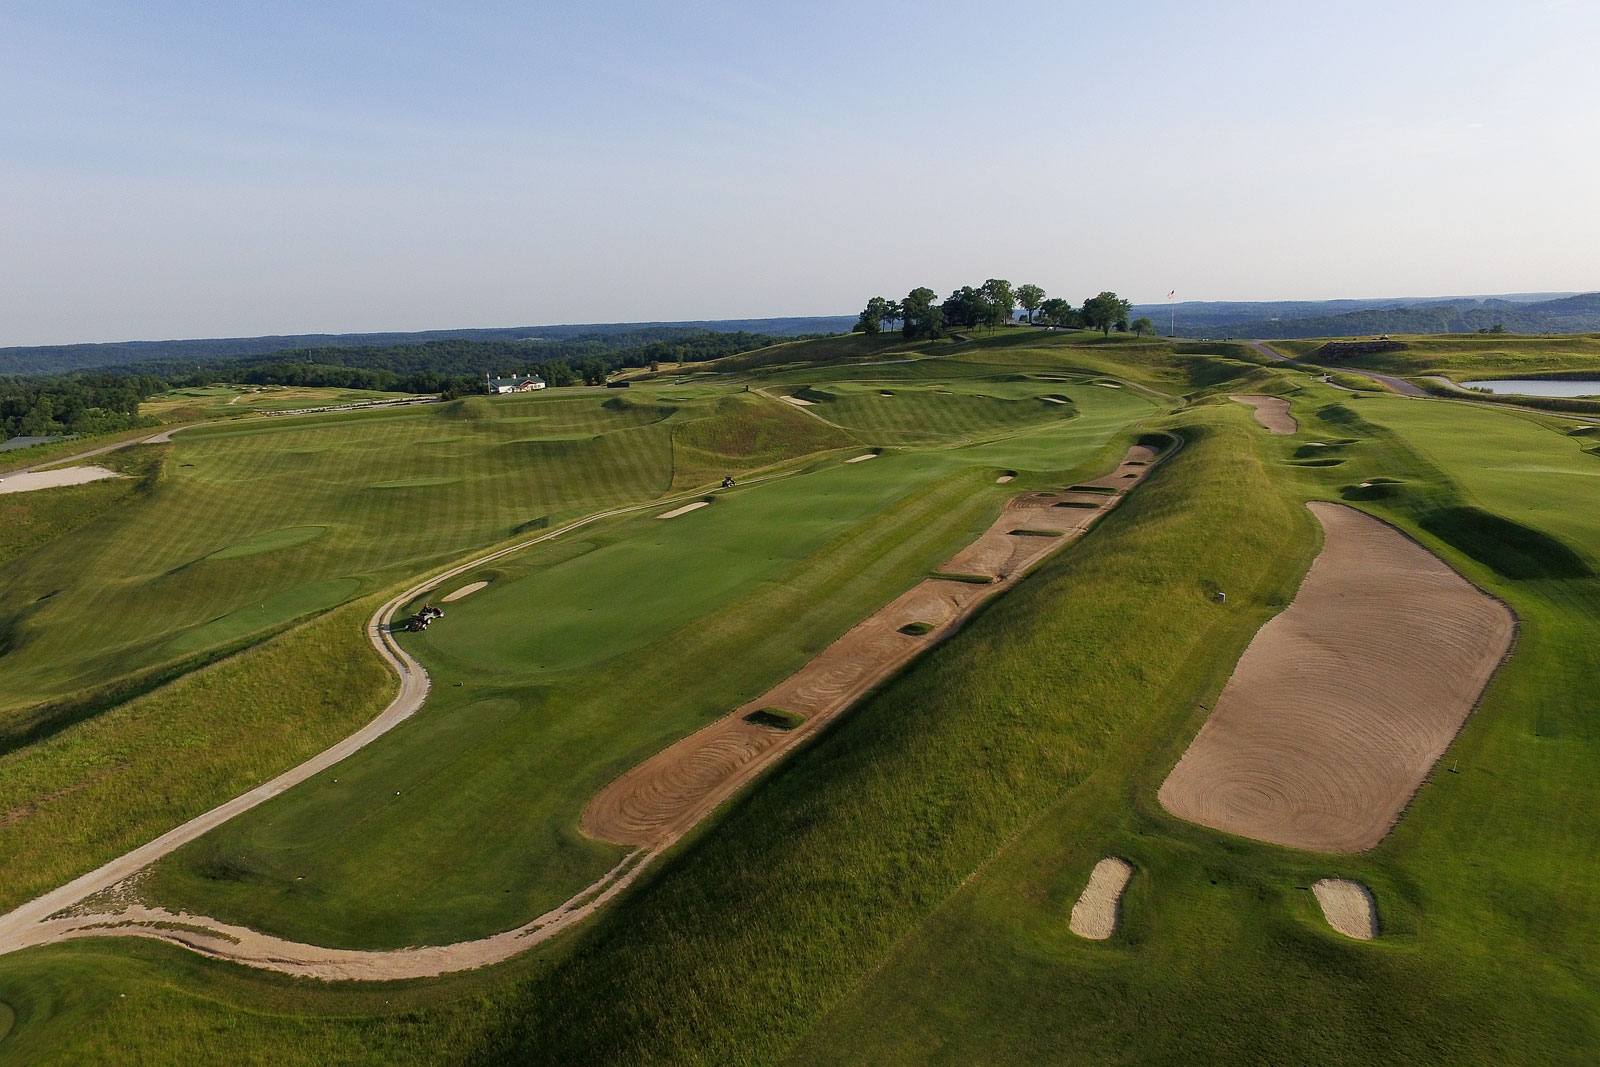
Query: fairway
{"x": 967, "y": 851}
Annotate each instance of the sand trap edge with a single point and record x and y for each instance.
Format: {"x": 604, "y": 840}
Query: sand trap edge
{"x": 466, "y": 590}
{"x": 675, "y": 512}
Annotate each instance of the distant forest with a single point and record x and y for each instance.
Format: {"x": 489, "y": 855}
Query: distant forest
{"x": 108, "y": 399}
{"x": 1354, "y": 318}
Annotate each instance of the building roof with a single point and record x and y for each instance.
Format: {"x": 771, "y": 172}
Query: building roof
{"x": 517, "y": 379}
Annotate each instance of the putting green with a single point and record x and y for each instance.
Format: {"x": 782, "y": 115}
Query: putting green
{"x": 271, "y": 541}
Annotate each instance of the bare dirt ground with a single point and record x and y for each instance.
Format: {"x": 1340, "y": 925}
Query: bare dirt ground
{"x": 466, "y": 590}
{"x": 1095, "y": 914}
{"x": 656, "y": 802}
{"x": 1343, "y": 702}
{"x": 1271, "y": 412}
{"x": 23, "y": 483}
{"x": 1348, "y": 906}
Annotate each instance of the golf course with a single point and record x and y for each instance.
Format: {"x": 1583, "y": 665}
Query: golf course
{"x": 1010, "y": 696}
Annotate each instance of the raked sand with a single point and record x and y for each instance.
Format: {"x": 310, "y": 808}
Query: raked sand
{"x": 1094, "y": 916}
{"x": 23, "y": 483}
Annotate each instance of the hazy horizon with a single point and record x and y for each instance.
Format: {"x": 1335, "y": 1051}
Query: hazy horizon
{"x": 187, "y": 171}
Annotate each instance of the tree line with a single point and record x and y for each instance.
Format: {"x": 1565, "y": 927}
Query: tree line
{"x": 81, "y": 404}
{"x": 107, "y": 400}
{"x": 993, "y": 304}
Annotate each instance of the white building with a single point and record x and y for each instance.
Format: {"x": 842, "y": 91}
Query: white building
{"x": 522, "y": 383}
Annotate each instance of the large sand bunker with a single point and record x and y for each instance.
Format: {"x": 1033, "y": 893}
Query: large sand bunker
{"x": 1342, "y": 703}
{"x": 23, "y": 483}
{"x": 1094, "y": 916}
{"x": 1271, "y": 412}
{"x": 1348, "y": 906}
{"x": 660, "y": 799}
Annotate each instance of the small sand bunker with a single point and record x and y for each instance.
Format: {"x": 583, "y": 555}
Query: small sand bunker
{"x": 1055, "y": 400}
{"x": 23, "y": 483}
{"x": 1094, "y": 916}
{"x": 466, "y": 590}
{"x": 1271, "y": 412}
{"x": 1344, "y": 701}
{"x": 1348, "y": 906}
{"x": 1108, "y": 385}
{"x": 1004, "y": 478}
{"x": 862, "y": 459}
{"x": 675, "y": 512}
{"x": 799, "y": 403}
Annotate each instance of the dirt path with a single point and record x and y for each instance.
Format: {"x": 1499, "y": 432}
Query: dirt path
{"x": 652, "y": 806}
{"x": 1342, "y": 703}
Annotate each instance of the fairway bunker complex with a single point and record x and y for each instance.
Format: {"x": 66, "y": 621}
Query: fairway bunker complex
{"x": 1343, "y": 702}
{"x": 658, "y": 801}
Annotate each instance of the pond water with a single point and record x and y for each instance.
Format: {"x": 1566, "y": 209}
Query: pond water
{"x": 1536, "y": 387}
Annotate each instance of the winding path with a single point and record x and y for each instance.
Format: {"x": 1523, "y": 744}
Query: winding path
{"x": 104, "y": 902}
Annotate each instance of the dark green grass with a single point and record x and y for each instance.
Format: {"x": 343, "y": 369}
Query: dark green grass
{"x": 917, "y": 629}
{"x": 97, "y": 789}
{"x": 969, "y": 579}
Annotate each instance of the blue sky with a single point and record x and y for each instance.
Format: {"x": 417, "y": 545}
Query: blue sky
{"x": 177, "y": 170}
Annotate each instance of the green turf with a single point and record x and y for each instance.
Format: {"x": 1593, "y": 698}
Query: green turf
{"x": 584, "y": 658}
{"x": 897, "y": 891}
{"x": 226, "y": 526}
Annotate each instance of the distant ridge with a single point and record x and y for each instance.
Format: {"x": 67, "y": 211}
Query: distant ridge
{"x": 1518, "y": 313}
{"x": 56, "y": 359}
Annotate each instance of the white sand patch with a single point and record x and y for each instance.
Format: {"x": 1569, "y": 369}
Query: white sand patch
{"x": 23, "y": 483}
{"x": 675, "y": 512}
{"x": 1348, "y": 906}
{"x": 797, "y": 402}
{"x": 1052, "y": 400}
{"x": 1094, "y": 916}
{"x": 466, "y": 590}
{"x": 1108, "y": 385}
{"x": 862, "y": 459}
{"x": 1004, "y": 478}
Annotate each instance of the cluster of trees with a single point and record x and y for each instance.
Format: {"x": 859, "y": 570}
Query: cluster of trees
{"x": 99, "y": 402}
{"x": 82, "y": 404}
{"x": 994, "y": 304}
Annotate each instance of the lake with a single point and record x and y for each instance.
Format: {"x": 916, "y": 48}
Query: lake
{"x": 1536, "y": 387}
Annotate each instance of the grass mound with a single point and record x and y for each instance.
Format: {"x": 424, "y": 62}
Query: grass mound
{"x": 916, "y": 629}
{"x": 777, "y": 718}
{"x": 270, "y": 541}
{"x": 1508, "y": 548}
{"x": 970, "y": 579}
{"x": 1317, "y": 462}
{"x": 1034, "y": 531}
